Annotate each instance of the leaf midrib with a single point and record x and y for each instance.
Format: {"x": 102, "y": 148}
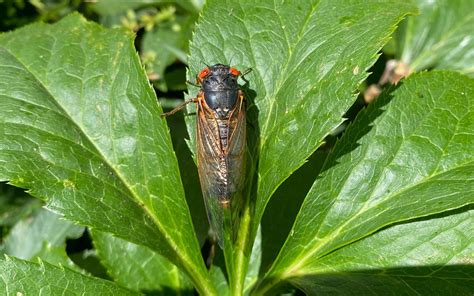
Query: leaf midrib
{"x": 404, "y": 138}
{"x": 438, "y": 233}
{"x": 67, "y": 169}
{"x": 103, "y": 181}
{"x": 383, "y": 274}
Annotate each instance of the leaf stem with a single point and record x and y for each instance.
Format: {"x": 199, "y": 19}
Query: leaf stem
{"x": 241, "y": 255}
{"x": 202, "y": 285}
{"x": 238, "y": 255}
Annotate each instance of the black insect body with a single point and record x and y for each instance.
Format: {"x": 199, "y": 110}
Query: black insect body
{"x": 221, "y": 140}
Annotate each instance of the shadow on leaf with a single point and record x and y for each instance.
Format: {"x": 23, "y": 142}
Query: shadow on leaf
{"x": 359, "y": 128}
{"x": 409, "y": 280}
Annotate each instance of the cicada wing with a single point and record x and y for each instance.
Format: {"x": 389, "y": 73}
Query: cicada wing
{"x": 209, "y": 159}
{"x": 236, "y": 161}
{"x": 222, "y": 170}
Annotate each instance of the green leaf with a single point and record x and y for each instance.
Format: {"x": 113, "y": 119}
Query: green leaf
{"x": 408, "y": 159}
{"x": 195, "y": 4}
{"x": 43, "y": 235}
{"x": 139, "y": 268}
{"x": 175, "y": 80}
{"x": 255, "y": 263}
{"x": 219, "y": 280}
{"x": 26, "y": 278}
{"x": 440, "y": 37}
{"x": 80, "y": 127}
{"x": 427, "y": 257}
{"x": 307, "y": 58}
{"x": 56, "y": 255}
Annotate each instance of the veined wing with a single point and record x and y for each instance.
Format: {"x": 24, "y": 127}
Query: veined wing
{"x": 236, "y": 160}
{"x": 209, "y": 159}
{"x": 221, "y": 165}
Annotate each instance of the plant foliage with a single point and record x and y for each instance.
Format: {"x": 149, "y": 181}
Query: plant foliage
{"x": 386, "y": 208}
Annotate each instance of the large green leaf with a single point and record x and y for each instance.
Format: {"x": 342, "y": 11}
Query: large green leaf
{"x": 308, "y": 58}
{"x": 80, "y": 127}
{"x": 139, "y": 268}
{"x": 442, "y": 36}
{"x": 42, "y": 235}
{"x": 427, "y": 257}
{"x": 26, "y": 278}
{"x": 408, "y": 159}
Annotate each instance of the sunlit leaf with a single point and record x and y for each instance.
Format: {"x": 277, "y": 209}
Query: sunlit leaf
{"x": 282, "y": 209}
{"x": 26, "y": 278}
{"x": 440, "y": 37}
{"x": 403, "y": 158}
{"x": 427, "y": 257}
{"x": 139, "y": 268}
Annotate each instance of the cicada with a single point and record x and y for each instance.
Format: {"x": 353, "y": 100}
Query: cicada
{"x": 221, "y": 143}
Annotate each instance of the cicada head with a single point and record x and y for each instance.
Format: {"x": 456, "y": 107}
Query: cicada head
{"x": 218, "y": 77}
{"x": 220, "y": 88}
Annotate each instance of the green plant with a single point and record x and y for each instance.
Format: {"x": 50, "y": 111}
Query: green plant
{"x": 389, "y": 210}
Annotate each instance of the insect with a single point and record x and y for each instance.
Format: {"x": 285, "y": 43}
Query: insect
{"x": 221, "y": 142}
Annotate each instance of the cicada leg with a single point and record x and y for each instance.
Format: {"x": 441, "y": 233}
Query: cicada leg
{"x": 193, "y": 83}
{"x": 179, "y": 107}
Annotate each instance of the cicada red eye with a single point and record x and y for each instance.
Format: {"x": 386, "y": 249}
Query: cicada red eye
{"x": 234, "y": 71}
{"x": 203, "y": 73}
